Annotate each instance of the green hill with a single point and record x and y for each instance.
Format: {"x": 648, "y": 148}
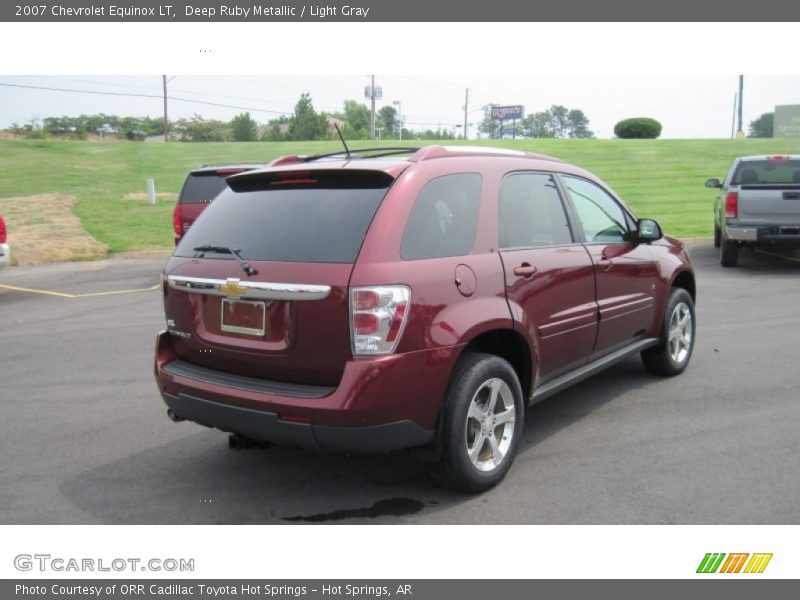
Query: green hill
{"x": 662, "y": 179}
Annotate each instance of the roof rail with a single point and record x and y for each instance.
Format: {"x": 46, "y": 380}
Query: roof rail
{"x": 432, "y": 152}
{"x": 233, "y": 164}
{"x": 356, "y": 153}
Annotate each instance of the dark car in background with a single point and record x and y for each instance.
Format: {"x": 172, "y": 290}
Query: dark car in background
{"x": 374, "y": 303}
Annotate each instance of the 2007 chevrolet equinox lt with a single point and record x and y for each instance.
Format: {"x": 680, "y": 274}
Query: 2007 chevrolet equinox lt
{"x": 403, "y": 298}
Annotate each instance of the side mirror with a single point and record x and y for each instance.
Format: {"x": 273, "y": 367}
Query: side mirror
{"x": 713, "y": 183}
{"x": 649, "y": 230}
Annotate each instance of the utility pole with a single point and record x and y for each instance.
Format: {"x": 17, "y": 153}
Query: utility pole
{"x": 166, "y": 122}
{"x": 733, "y": 118}
{"x": 740, "y": 132}
{"x": 466, "y": 111}
{"x": 372, "y": 118}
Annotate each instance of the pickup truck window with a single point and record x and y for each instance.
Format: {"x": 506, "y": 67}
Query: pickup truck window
{"x": 751, "y": 172}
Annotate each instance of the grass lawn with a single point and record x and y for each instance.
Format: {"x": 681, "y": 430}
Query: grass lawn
{"x": 662, "y": 179}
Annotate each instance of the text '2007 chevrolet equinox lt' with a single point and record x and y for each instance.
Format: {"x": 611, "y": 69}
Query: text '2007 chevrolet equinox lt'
{"x": 368, "y": 303}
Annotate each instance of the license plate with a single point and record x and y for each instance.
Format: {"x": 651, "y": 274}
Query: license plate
{"x": 243, "y": 316}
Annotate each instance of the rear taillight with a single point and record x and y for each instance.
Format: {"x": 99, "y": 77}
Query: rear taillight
{"x": 732, "y": 205}
{"x": 3, "y": 232}
{"x": 177, "y": 221}
{"x": 377, "y": 317}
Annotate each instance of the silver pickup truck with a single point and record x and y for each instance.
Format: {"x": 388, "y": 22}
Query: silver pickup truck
{"x": 758, "y": 205}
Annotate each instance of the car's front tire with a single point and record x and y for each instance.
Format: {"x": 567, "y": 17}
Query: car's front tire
{"x": 482, "y": 423}
{"x": 671, "y": 355}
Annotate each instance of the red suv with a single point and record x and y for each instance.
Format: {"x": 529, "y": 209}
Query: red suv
{"x": 373, "y": 303}
{"x": 200, "y": 187}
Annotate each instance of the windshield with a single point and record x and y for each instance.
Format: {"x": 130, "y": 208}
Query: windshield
{"x": 293, "y": 225}
{"x": 752, "y": 172}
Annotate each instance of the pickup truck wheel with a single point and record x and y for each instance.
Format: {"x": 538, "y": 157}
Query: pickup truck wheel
{"x": 672, "y": 354}
{"x": 729, "y": 253}
{"x": 482, "y": 424}
{"x": 717, "y": 235}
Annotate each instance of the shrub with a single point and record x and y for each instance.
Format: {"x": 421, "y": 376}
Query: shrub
{"x": 638, "y": 128}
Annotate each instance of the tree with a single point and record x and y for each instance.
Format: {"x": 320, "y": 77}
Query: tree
{"x": 244, "y": 128}
{"x": 762, "y": 127}
{"x": 559, "y": 123}
{"x": 274, "y": 132}
{"x": 638, "y": 128}
{"x": 198, "y": 129}
{"x": 306, "y": 123}
{"x": 578, "y": 125}
{"x": 357, "y": 120}
{"x": 537, "y": 125}
{"x": 488, "y": 125}
{"x": 388, "y": 114}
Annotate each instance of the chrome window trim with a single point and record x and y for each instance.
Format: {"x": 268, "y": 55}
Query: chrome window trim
{"x": 261, "y": 290}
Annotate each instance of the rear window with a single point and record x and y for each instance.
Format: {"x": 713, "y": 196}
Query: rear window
{"x": 753, "y": 172}
{"x": 444, "y": 219}
{"x": 201, "y": 188}
{"x": 285, "y": 224}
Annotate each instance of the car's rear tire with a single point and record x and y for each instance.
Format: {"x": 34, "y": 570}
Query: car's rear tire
{"x": 672, "y": 354}
{"x": 729, "y": 253}
{"x": 717, "y": 236}
{"x": 482, "y": 424}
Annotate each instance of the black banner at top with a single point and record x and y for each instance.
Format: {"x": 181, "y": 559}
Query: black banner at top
{"x": 372, "y": 11}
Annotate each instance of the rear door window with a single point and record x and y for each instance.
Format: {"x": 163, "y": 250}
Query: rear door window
{"x": 531, "y": 212}
{"x": 444, "y": 219}
{"x": 306, "y": 224}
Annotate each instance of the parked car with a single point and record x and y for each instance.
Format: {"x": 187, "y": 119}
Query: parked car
{"x": 201, "y": 186}
{"x": 5, "y": 251}
{"x": 380, "y": 303}
{"x": 758, "y": 205}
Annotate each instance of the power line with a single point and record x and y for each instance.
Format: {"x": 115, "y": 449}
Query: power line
{"x": 129, "y": 95}
{"x": 148, "y": 87}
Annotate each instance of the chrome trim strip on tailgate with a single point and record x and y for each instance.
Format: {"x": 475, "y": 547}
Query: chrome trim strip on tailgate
{"x": 235, "y": 288}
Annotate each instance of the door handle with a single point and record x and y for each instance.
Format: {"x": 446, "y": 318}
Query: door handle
{"x": 604, "y": 264}
{"x": 525, "y": 270}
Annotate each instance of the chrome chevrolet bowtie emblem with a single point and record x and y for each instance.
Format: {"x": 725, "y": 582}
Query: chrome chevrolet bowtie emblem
{"x": 232, "y": 289}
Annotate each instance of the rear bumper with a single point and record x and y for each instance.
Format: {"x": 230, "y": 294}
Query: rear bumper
{"x": 5, "y": 255}
{"x": 381, "y": 403}
{"x": 766, "y": 234}
{"x": 268, "y": 427}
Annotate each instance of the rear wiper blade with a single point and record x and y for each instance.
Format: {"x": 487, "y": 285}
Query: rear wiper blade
{"x": 246, "y": 266}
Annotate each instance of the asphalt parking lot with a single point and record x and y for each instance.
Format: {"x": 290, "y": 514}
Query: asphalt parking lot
{"x": 84, "y": 437}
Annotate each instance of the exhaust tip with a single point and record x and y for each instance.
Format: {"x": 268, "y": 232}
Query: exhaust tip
{"x": 173, "y": 417}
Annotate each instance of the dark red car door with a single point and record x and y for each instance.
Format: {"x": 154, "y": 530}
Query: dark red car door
{"x": 549, "y": 278}
{"x": 626, "y": 273}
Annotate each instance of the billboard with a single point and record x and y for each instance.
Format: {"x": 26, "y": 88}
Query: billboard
{"x": 787, "y": 121}
{"x": 505, "y": 113}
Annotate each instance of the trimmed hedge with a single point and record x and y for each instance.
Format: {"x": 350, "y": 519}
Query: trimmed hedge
{"x": 638, "y": 128}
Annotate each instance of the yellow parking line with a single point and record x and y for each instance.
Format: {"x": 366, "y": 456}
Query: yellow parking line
{"x": 65, "y": 295}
